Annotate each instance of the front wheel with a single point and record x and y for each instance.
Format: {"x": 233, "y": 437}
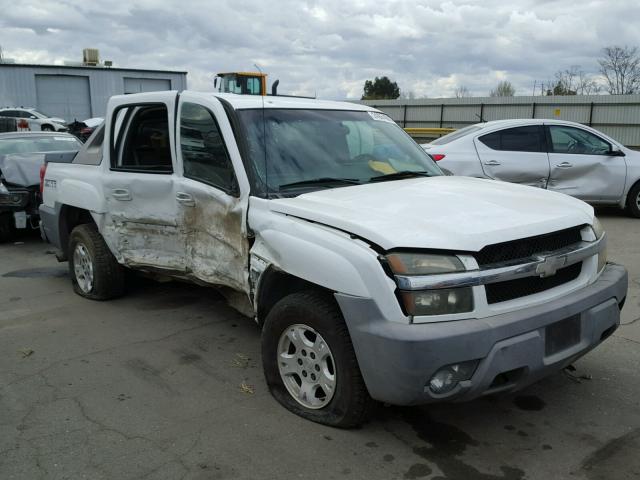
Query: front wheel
{"x": 47, "y": 128}
{"x": 94, "y": 271}
{"x": 633, "y": 201}
{"x": 309, "y": 362}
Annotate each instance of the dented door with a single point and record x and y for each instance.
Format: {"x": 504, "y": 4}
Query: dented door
{"x": 214, "y": 193}
{"x": 144, "y": 224}
{"x": 581, "y": 165}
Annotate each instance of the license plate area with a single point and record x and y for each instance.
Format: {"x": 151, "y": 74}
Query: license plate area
{"x": 562, "y": 335}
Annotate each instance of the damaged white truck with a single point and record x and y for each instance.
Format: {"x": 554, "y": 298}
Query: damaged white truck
{"x": 373, "y": 276}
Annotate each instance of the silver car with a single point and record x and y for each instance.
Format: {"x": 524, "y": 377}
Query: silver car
{"x": 562, "y": 156}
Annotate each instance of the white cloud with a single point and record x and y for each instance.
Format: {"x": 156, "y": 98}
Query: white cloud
{"x": 329, "y": 47}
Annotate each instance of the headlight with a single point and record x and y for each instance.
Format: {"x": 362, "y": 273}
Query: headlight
{"x": 3, "y": 189}
{"x": 598, "y": 231}
{"x": 431, "y": 302}
{"x": 597, "y": 228}
{"x": 423, "y": 263}
{"x": 444, "y": 301}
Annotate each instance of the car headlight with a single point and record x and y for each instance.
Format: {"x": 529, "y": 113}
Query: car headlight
{"x": 436, "y": 301}
{"x": 598, "y": 231}
{"x": 423, "y": 263}
{"x": 597, "y": 228}
{"x": 3, "y": 189}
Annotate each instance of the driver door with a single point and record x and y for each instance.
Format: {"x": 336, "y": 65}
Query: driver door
{"x": 582, "y": 165}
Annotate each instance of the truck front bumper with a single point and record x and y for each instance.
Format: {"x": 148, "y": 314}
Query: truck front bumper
{"x": 513, "y": 349}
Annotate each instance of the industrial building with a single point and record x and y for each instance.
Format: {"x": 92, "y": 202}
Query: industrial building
{"x": 80, "y": 91}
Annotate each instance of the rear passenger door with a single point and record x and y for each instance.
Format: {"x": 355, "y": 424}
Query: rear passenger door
{"x": 213, "y": 193}
{"x": 144, "y": 222}
{"x": 517, "y": 155}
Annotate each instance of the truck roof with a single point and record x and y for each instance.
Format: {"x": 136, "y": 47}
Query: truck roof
{"x": 256, "y": 101}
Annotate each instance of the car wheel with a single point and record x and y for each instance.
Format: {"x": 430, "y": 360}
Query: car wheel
{"x": 47, "y": 128}
{"x": 309, "y": 362}
{"x": 7, "y": 227}
{"x": 94, "y": 271}
{"x": 633, "y": 201}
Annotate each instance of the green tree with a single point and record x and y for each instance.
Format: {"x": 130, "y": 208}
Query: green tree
{"x": 381, "y": 88}
{"x": 504, "y": 89}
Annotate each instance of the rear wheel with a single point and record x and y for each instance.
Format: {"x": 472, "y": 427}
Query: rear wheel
{"x": 7, "y": 227}
{"x": 633, "y": 201}
{"x": 309, "y": 362}
{"x": 94, "y": 271}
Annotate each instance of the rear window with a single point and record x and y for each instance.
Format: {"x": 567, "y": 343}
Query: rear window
{"x": 519, "y": 139}
{"x": 62, "y": 143}
{"x": 456, "y": 135}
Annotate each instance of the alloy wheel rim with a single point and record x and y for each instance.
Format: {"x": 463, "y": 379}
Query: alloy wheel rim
{"x": 83, "y": 268}
{"x": 306, "y": 366}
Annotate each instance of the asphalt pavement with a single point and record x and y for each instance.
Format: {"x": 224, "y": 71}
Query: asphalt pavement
{"x": 166, "y": 383}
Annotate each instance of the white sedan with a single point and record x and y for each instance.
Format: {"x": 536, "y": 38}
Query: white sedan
{"x": 37, "y": 121}
{"x": 561, "y": 156}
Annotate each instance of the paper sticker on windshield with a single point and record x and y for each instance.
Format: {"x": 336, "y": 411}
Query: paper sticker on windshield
{"x": 381, "y": 117}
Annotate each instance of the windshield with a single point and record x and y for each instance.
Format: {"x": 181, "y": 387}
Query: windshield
{"x": 38, "y": 144}
{"x": 450, "y": 137}
{"x": 312, "y": 149}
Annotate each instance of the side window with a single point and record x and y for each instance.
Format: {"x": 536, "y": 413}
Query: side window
{"x": 204, "y": 155}
{"x": 9, "y": 113}
{"x": 518, "y": 139}
{"x": 142, "y": 143}
{"x": 577, "y": 141}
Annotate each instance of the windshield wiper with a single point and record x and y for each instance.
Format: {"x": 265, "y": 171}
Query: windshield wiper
{"x": 399, "y": 175}
{"x": 320, "y": 181}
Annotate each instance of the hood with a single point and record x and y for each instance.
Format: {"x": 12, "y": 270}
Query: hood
{"x": 22, "y": 169}
{"x": 57, "y": 120}
{"x": 450, "y": 213}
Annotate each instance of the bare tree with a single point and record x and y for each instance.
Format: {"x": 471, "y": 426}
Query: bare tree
{"x": 587, "y": 85}
{"x": 620, "y": 67}
{"x": 504, "y": 89}
{"x": 462, "y": 92}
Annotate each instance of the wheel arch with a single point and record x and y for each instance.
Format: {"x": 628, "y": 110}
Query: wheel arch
{"x": 68, "y": 219}
{"x": 275, "y": 284}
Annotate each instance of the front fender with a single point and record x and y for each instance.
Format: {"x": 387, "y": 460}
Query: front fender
{"x": 320, "y": 255}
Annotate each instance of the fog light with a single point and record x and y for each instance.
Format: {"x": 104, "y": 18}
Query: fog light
{"x": 447, "y": 378}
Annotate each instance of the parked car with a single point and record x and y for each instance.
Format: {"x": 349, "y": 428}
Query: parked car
{"x": 371, "y": 274}
{"x": 561, "y": 156}
{"x": 22, "y": 155}
{"x": 36, "y": 120}
{"x": 84, "y": 129}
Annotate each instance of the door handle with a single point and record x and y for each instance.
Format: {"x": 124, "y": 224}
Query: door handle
{"x": 492, "y": 162}
{"x": 121, "y": 194}
{"x": 185, "y": 199}
{"x": 564, "y": 165}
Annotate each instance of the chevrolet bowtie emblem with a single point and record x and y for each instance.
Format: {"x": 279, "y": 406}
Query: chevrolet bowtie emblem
{"x": 549, "y": 265}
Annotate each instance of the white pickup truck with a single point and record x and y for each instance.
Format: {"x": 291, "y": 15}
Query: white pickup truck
{"x": 372, "y": 275}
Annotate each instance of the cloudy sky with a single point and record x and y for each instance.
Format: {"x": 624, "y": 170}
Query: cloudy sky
{"x": 329, "y": 47}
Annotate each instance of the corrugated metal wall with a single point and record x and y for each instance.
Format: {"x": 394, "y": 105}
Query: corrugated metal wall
{"x": 616, "y": 115}
{"x": 18, "y": 83}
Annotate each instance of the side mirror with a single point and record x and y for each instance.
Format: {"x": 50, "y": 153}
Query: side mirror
{"x": 616, "y": 152}
{"x": 32, "y": 117}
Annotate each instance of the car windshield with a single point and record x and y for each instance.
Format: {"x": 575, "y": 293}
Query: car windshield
{"x": 310, "y": 149}
{"x": 39, "y": 144}
{"x": 450, "y": 137}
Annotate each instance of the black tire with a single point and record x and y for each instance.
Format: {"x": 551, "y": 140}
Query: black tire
{"x": 7, "y": 227}
{"x": 351, "y": 404}
{"x": 47, "y": 128}
{"x": 633, "y": 201}
{"x": 108, "y": 274}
